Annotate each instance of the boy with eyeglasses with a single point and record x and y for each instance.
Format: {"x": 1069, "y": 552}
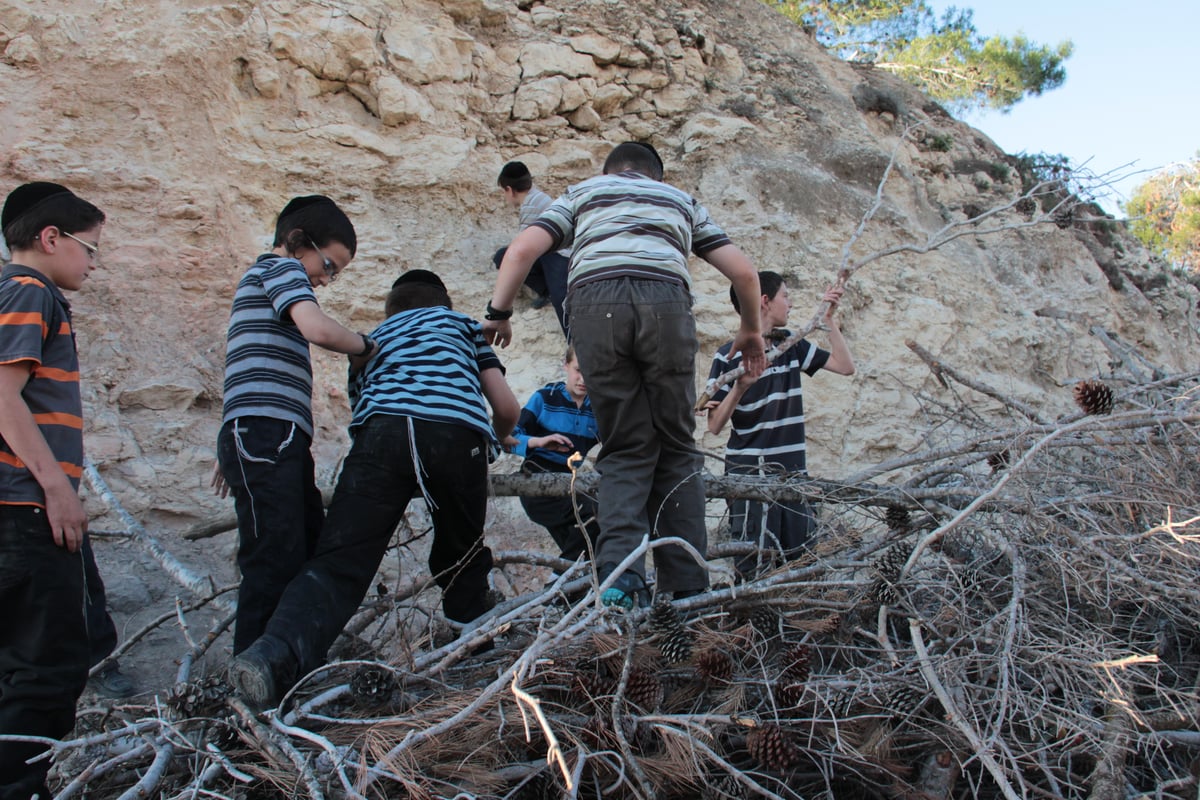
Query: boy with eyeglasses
{"x": 53, "y": 236}
{"x": 421, "y": 427}
{"x": 264, "y": 448}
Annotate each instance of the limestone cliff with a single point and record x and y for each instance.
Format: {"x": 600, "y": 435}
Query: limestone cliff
{"x": 191, "y": 123}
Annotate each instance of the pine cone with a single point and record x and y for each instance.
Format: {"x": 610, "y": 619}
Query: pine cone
{"x": 887, "y": 568}
{"x": 998, "y": 461}
{"x": 373, "y": 683}
{"x": 588, "y": 685}
{"x": 676, "y": 643}
{"x": 797, "y": 663}
{"x": 789, "y": 689}
{"x": 644, "y": 689}
{"x": 1094, "y": 397}
{"x": 715, "y": 666}
{"x": 722, "y": 787}
{"x": 203, "y": 698}
{"x": 765, "y": 620}
{"x": 677, "y": 647}
{"x": 902, "y": 699}
{"x": 897, "y": 518}
{"x": 771, "y": 746}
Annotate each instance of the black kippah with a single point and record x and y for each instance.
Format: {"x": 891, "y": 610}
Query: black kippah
{"x": 419, "y": 276}
{"x": 653, "y": 152}
{"x": 27, "y": 197}
{"x": 514, "y": 169}
{"x": 298, "y": 203}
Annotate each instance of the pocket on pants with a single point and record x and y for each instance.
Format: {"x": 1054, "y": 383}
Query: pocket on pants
{"x": 676, "y": 341}
{"x": 263, "y": 442}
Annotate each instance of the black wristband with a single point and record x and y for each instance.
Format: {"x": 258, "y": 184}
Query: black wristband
{"x": 495, "y": 315}
{"x": 368, "y": 345}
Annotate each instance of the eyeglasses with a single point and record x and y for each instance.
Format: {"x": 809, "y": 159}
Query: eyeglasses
{"x": 331, "y": 269}
{"x": 93, "y": 250}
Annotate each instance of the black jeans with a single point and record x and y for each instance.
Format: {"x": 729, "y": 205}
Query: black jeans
{"x": 781, "y": 530}
{"x": 547, "y": 277}
{"x": 43, "y": 644}
{"x": 269, "y": 468}
{"x": 101, "y": 630}
{"x": 378, "y": 479}
{"x": 557, "y": 515}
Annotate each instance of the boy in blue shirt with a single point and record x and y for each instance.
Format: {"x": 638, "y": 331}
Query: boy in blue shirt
{"x": 420, "y": 427}
{"x": 555, "y": 423}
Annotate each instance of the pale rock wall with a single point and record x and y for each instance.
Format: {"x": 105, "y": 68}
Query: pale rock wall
{"x": 192, "y": 123}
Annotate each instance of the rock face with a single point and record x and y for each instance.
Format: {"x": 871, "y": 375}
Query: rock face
{"x": 192, "y": 123}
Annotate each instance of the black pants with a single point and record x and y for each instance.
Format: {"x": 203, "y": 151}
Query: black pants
{"x": 781, "y": 530}
{"x": 43, "y": 644}
{"x": 378, "y": 479}
{"x": 557, "y": 515}
{"x": 269, "y": 468}
{"x": 101, "y": 630}
{"x": 547, "y": 277}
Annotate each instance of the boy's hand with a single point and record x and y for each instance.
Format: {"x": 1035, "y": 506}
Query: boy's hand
{"x": 554, "y": 441}
{"x": 497, "y": 332}
{"x": 217, "y": 482}
{"x": 68, "y": 521}
{"x": 750, "y": 344}
{"x": 833, "y": 296}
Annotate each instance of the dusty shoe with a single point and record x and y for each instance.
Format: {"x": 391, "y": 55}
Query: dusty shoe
{"x": 262, "y": 672}
{"x": 628, "y": 590}
{"x": 111, "y": 682}
{"x": 541, "y": 301}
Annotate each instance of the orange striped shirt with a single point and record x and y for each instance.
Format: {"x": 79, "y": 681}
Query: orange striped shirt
{"x": 35, "y": 326}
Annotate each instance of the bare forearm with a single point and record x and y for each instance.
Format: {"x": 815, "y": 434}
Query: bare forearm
{"x": 324, "y": 331}
{"x": 20, "y": 431}
{"x": 720, "y": 414}
{"x": 527, "y": 247}
{"x": 840, "y": 360}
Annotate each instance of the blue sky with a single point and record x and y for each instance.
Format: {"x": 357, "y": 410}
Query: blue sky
{"x": 1132, "y": 92}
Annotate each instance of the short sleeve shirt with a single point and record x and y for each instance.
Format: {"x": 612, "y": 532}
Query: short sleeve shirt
{"x": 627, "y": 225}
{"x": 428, "y": 367}
{"x": 768, "y": 423}
{"x": 35, "y": 327}
{"x": 268, "y": 371}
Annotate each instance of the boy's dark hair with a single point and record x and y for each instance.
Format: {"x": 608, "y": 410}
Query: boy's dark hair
{"x": 515, "y": 175}
{"x": 636, "y": 156}
{"x": 569, "y": 355}
{"x": 769, "y": 284}
{"x": 313, "y": 220}
{"x": 33, "y": 207}
{"x": 416, "y": 288}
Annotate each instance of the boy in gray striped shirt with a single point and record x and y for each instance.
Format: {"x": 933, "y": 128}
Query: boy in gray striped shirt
{"x": 263, "y": 449}
{"x": 630, "y": 304}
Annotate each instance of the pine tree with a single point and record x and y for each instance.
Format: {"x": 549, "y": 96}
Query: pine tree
{"x": 946, "y": 57}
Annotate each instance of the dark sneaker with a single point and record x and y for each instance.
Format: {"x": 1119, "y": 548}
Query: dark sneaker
{"x": 262, "y": 672}
{"x": 628, "y": 590}
{"x": 111, "y": 682}
{"x": 541, "y": 301}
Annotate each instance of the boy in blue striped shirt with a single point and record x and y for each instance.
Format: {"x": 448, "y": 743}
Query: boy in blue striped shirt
{"x": 420, "y": 427}
{"x": 556, "y": 423}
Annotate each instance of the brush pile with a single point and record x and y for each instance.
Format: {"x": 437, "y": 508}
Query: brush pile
{"x": 1022, "y": 622}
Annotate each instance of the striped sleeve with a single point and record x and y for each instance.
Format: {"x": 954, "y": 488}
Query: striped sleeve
{"x": 558, "y": 220}
{"x": 27, "y": 313}
{"x": 706, "y": 235}
{"x": 286, "y": 283}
